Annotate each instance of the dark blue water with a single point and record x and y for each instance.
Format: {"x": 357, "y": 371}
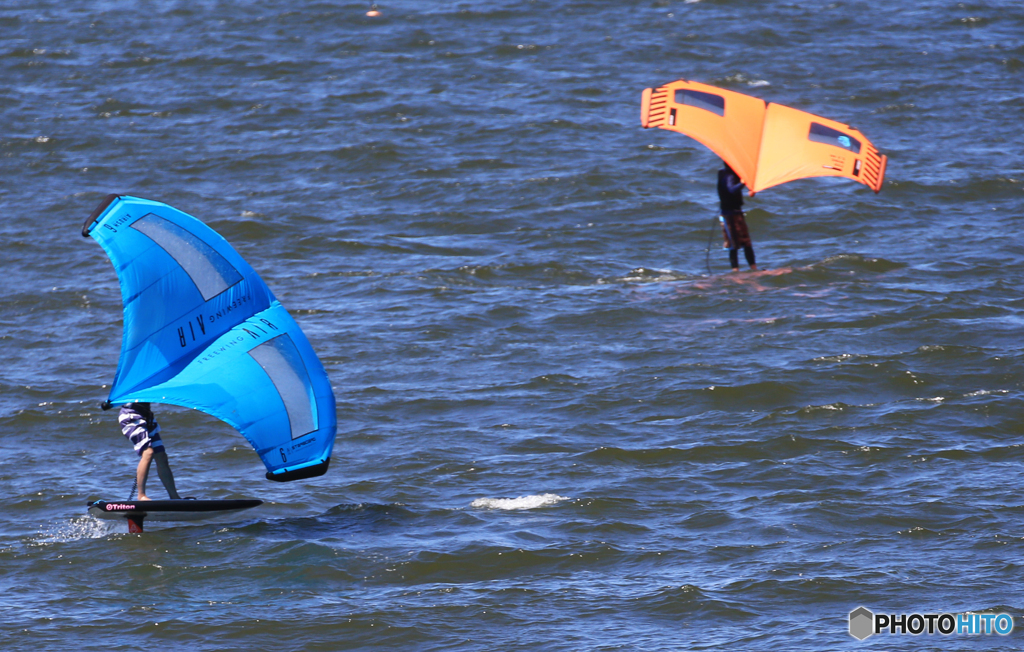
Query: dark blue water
{"x": 557, "y": 431}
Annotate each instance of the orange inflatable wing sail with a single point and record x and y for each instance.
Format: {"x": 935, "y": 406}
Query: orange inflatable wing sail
{"x": 726, "y": 122}
{"x": 796, "y": 145}
{"x": 766, "y": 144}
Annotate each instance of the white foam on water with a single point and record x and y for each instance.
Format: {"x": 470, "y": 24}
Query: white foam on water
{"x": 82, "y": 527}
{"x": 522, "y": 502}
{"x": 986, "y": 392}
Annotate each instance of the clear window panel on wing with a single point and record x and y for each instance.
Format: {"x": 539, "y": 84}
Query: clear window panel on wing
{"x": 707, "y": 101}
{"x": 282, "y": 362}
{"x": 211, "y": 272}
{"x": 821, "y": 134}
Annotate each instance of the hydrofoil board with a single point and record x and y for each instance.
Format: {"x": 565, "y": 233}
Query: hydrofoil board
{"x": 134, "y": 511}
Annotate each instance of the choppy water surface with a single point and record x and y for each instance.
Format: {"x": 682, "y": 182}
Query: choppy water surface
{"x": 557, "y": 431}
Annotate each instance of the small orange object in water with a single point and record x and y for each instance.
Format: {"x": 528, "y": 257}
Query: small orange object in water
{"x": 373, "y": 13}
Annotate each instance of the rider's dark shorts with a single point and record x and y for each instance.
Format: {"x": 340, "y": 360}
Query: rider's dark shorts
{"x": 736, "y": 226}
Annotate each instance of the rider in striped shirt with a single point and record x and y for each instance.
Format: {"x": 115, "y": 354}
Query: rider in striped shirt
{"x": 140, "y": 427}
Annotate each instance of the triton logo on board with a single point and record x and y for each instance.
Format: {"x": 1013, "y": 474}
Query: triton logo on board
{"x": 864, "y": 623}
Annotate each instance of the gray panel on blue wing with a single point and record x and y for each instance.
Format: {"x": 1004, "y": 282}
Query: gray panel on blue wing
{"x": 211, "y": 272}
{"x": 282, "y": 362}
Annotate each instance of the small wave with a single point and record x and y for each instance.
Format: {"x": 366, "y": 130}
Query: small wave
{"x": 648, "y": 275}
{"x": 831, "y": 407}
{"x": 740, "y": 78}
{"x": 843, "y": 357}
{"x": 986, "y": 392}
{"x": 522, "y": 502}
{"x": 919, "y": 532}
{"x": 850, "y": 262}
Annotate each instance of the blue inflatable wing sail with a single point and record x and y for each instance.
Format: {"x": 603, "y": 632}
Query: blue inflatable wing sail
{"x": 202, "y": 330}
{"x": 263, "y": 378}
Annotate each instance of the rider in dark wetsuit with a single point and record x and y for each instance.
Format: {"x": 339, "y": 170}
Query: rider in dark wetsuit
{"x": 734, "y": 226}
